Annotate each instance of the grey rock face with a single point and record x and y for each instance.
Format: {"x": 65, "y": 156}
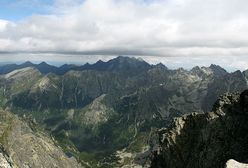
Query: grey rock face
{"x": 97, "y": 112}
{"x": 4, "y": 163}
{"x": 27, "y": 148}
{"x": 205, "y": 140}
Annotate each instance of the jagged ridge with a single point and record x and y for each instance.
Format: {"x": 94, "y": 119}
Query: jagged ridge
{"x": 205, "y": 140}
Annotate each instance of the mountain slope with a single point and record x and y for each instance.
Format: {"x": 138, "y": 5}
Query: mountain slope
{"x": 205, "y": 140}
{"x": 23, "y": 147}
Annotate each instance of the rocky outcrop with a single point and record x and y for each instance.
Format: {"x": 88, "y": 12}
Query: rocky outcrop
{"x": 97, "y": 112}
{"x": 21, "y": 74}
{"x": 205, "y": 140}
{"x": 4, "y": 161}
{"x": 22, "y": 147}
{"x": 234, "y": 164}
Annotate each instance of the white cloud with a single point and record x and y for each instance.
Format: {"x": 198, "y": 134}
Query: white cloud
{"x": 3, "y": 24}
{"x": 164, "y": 28}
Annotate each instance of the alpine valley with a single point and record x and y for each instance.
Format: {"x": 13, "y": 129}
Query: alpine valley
{"x": 121, "y": 113}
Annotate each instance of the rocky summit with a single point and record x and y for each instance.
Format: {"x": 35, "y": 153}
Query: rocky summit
{"x": 206, "y": 140}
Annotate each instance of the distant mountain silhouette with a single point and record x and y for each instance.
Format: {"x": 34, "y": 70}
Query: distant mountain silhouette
{"x": 121, "y": 64}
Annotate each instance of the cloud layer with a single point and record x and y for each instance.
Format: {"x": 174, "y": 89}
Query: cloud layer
{"x": 165, "y": 28}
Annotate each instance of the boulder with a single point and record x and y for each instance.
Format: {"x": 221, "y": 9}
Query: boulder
{"x": 234, "y": 164}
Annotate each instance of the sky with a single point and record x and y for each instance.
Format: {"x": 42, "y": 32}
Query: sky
{"x": 178, "y": 33}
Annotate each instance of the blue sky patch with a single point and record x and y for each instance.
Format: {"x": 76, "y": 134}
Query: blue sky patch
{"x": 15, "y": 10}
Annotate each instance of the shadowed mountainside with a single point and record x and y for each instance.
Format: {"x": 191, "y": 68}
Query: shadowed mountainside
{"x": 121, "y": 64}
{"x": 206, "y": 140}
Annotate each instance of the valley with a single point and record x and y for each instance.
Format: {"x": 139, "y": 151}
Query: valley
{"x": 107, "y": 114}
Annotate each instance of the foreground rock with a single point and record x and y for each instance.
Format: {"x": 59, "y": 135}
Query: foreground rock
{"x": 234, "y": 164}
{"x": 4, "y": 162}
{"x": 206, "y": 140}
{"x": 22, "y": 147}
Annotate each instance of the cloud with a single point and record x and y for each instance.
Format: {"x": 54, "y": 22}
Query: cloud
{"x": 163, "y": 28}
{"x": 3, "y": 24}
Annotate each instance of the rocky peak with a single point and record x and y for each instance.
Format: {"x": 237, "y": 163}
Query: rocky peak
{"x": 100, "y": 62}
{"x": 27, "y": 64}
{"x": 201, "y": 71}
{"x": 45, "y": 68}
{"x": 237, "y": 74}
{"x": 128, "y": 59}
{"x": 217, "y": 70}
{"x": 205, "y": 139}
{"x": 161, "y": 66}
{"x": 122, "y": 65}
{"x": 43, "y": 64}
{"x": 122, "y": 61}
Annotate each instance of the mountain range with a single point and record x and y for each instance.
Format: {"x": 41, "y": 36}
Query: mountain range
{"x": 119, "y": 64}
{"x": 107, "y": 114}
